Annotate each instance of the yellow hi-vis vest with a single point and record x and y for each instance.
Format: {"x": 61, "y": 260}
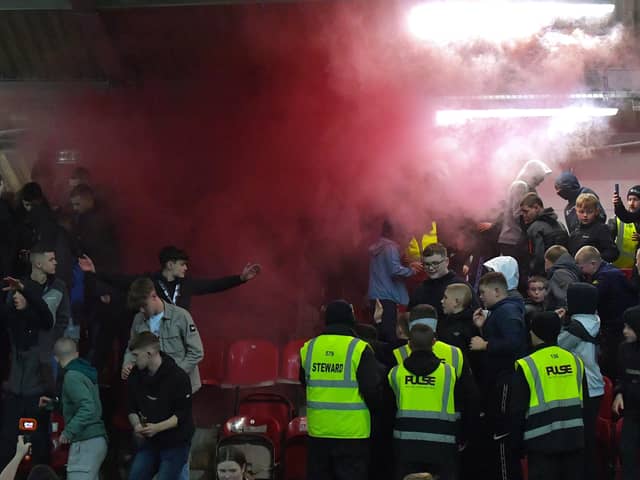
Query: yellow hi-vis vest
{"x": 447, "y": 353}
{"x": 415, "y": 249}
{"x": 626, "y": 246}
{"x": 335, "y": 408}
{"x": 554, "y": 376}
{"x": 425, "y": 405}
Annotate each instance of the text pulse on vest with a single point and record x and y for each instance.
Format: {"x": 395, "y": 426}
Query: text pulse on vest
{"x": 419, "y": 380}
{"x": 559, "y": 370}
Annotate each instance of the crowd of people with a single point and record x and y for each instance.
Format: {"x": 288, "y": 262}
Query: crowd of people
{"x": 477, "y": 353}
{"x": 66, "y": 317}
{"x": 504, "y": 356}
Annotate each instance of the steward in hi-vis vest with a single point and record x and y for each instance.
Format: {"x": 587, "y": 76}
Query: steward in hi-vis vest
{"x": 429, "y": 398}
{"x": 428, "y": 315}
{"x": 626, "y": 234}
{"x": 547, "y": 404}
{"x": 343, "y": 385}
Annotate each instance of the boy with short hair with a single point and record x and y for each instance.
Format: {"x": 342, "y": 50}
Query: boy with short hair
{"x": 543, "y": 230}
{"x": 457, "y": 326}
{"x": 591, "y": 231}
{"x": 562, "y": 271}
{"x": 503, "y": 341}
{"x": 536, "y": 297}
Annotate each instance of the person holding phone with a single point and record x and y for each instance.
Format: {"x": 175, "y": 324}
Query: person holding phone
{"x": 625, "y": 233}
{"x": 27, "y": 319}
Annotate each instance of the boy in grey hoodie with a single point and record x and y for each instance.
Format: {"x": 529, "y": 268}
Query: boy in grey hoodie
{"x": 579, "y": 335}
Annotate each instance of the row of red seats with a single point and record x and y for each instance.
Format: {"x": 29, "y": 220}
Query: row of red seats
{"x": 250, "y": 363}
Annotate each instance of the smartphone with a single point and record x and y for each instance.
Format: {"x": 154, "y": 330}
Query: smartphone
{"x": 616, "y": 188}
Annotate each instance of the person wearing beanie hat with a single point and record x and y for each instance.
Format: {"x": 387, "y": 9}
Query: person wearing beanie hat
{"x": 546, "y": 405}
{"x": 344, "y": 388}
{"x": 621, "y": 212}
{"x": 427, "y": 315}
{"x": 625, "y": 233}
{"x": 339, "y": 312}
{"x": 568, "y": 187}
{"x": 579, "y": 335}
{"x": 627, "y": 393}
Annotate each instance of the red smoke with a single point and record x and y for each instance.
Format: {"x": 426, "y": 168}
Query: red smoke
{"x": 283, "y": 133}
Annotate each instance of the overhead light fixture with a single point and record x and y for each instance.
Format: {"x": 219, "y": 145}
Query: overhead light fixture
{"x": 457, "y": 21}
{"x": 459, "y": 117}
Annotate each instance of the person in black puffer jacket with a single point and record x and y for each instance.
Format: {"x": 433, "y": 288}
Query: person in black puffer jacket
{"x": 543, "y": 231}
{"x": 627, "y": 391}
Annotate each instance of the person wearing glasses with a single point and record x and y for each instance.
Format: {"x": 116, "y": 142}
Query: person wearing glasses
{"x": 435, "y": 261}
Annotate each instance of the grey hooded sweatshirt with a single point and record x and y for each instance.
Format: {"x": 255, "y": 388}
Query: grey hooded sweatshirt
{"x": 532, "y": 174}
{"x": 579, "y": 337}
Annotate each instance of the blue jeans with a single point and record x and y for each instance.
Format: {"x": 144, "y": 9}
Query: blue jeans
{"x": 167, "y": 463}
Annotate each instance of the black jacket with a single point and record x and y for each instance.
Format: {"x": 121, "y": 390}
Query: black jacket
{"x": 625, "y": 215}
{"x": 628, "y": 382}
{"x": 566, "y": 441}
{"x": 7, "y": 238}
{"x": 160, "y": 396}
{"x": 505, "y": 331}
{"x": 544, "y": 232}
{"x": 95, "y": 236}
{"x": 466, "y": 398}
{"x": 597, "y": 235}
{"x": 431, "y": 291}
{"x": 569, "y": 188}
{"x": 615, "y": 295}
{"x": 367, "y": 375}
{"x": 167, "y": 290}
{"x": 31, "y": 372}
{"x": 562, "y": 274}
{"x": 458, "y": 329}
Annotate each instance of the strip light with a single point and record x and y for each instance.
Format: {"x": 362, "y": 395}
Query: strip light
{"x": 458, "y": 117}
{"x": 495, "y": 20}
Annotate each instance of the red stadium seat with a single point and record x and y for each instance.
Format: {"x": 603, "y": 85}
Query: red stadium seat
{"x": 290, "y": 362}
{"x": 524, "y": 464}
{"x": 607, "y": 400}
{"x": 243, "y": 427}
{"x": 605, "y": 429}
{"x": 628, "y": 272}
{"x": 212, "y": 366}
{"x": 295, "y": 450}
{"x": 267, "y": 405}
{"x": 59, "y": 452}
{"x": 251, "y": 363}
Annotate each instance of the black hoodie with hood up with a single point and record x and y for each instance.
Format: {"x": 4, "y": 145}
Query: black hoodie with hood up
{"x": 569, "y": 188}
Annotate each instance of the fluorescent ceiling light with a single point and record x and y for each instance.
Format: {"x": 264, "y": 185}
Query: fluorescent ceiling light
{"x": 458, "y": 117}
{"x": 456, "y": 21}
